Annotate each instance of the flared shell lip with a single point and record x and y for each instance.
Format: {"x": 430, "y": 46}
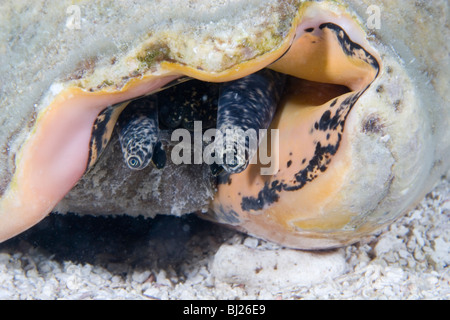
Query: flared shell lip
{"x": 13, "y": 208}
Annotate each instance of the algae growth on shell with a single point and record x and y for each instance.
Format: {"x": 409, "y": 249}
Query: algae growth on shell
{"x": 390, "y": 144}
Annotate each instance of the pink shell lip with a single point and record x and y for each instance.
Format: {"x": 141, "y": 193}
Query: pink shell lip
{"x": 52, "y": 166}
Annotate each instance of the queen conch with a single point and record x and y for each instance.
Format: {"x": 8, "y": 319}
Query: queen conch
{"x": 353, "y": 96}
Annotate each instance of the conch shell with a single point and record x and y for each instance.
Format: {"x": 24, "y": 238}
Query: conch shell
{"x": 362, "y": 125}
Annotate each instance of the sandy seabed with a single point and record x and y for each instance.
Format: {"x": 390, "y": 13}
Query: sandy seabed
{"x": 71, "y": 257}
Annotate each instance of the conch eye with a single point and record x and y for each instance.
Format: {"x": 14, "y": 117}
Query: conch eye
{"x": 134, "y": 162}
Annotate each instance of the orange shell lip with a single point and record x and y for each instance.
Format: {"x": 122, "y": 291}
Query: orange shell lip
{"x": 299, "y": 205}
{"x": 56, "y": 154}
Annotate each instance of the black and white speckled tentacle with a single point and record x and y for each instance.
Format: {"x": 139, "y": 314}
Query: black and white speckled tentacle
{"x": 138, "y": 133}
{"x": 245, "y": 106}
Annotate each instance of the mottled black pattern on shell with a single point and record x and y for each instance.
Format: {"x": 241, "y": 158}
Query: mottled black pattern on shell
{"x": 97, "y": 142}
{"x": 349, "y": 47}
{"x": 331, "y": 122}
{"x": 101, "y": 132}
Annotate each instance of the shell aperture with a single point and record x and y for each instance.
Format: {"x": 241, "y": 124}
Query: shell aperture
{"x": 238, "y": 109}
